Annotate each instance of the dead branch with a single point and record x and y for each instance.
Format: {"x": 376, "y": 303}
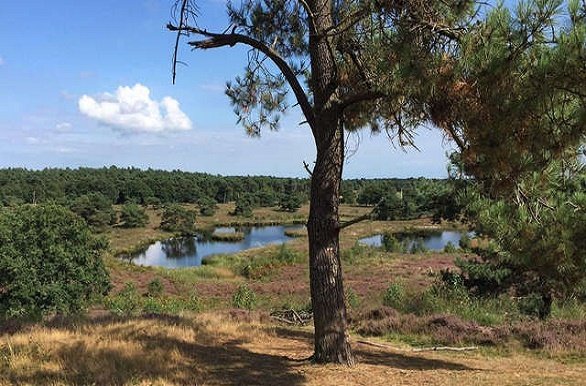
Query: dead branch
{"x": 215, "y": 40}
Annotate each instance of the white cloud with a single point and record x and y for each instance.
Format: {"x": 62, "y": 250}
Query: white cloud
{"x": 63, "y": 127}
{"x": 1, "y": 61}
{"x": 131, "y": 109}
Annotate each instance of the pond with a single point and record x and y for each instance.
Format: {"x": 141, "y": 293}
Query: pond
{"x": 181, "y": 252}
{"x": 434, "y": 241}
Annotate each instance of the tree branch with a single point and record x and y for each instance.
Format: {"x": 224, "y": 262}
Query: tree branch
{"x": 364, "y": 217}
{"x": 215, "y": 40}
{"x": 368, "y": 95}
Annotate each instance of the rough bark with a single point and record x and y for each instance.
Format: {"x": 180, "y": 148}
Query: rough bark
{"x": 327, "y": 291}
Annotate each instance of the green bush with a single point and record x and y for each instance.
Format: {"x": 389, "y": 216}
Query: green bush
{"x": 244, "y": 298}
{"x": 207, "y": 206}
{"x": 133, "y": 216}
{"x": 178, "y": 219}
{"x": 155, "y": 288}
{"x": 352, "y": 300}
{"x": 127, "y": 302}
{"x": 418, "y": 246}
{"x": 286, "y": 255}
{"x": 95, "y": 208}
{"x": 49, "y": 262}
{"x": 450, "y": 248}
{"x": 395, "y": 296}
{"x": 391, "y": 244}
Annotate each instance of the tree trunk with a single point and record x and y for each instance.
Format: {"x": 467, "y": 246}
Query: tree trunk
{"x": 327, "y": 291}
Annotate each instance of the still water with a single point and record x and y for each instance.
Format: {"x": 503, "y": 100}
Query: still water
{"x": 183, "y": 252}
{"x": 435, "y": 241}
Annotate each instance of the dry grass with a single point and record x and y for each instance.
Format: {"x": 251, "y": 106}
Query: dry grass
{"x": 244, "y": 349}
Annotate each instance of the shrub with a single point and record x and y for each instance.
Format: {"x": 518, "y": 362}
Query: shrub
{"x": 286, "y": 255}
{"x": 244, "y": 205}
{"x": 418, "y": 246}
{"x": 244, "y": 298}
{"x": 176, "y": 218}
{"x": 352, "y": 300}
{"x": 95, "y": 209}
{"x": 207, "y": 206}
{"x": 450, "y": 248}
{"x": 49, "y": 262}
{"x": 391, "y": 244}
{"x": 133, "y": 216}
{"x": 395, "y": 296}
{"x": 125, "y": 303}
{"x": 155, "y": 288}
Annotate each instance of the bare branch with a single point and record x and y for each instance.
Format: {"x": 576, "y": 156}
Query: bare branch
{"x": 179, "y": 32}
{"x": 215, "y": 40}
{"x": 306, "y": 166}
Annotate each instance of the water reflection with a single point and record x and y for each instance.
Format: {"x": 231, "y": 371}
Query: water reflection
{"x": 434, "y": 240}
{"x": 178, "y": 247}
{"x": 189, "y": 251}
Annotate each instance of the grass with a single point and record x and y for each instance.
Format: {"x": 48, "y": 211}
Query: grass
{"x": 241, "y": 348}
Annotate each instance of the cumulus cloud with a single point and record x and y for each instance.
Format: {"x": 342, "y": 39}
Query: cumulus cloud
{"x": 131, "y": 109}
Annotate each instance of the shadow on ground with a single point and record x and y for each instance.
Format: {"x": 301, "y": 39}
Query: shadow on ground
{"x": 170, "y": 349}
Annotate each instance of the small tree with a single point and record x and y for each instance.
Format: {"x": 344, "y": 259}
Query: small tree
{"x": 95, "y": 208}
{"x": 207, "y": 206}
{"x": 176, "y": 218}
{"x": 290, "y": 202}
{"x": 133, "y": 216}
{"x": 49, "y": 262}
{"x": 244, "y": 205}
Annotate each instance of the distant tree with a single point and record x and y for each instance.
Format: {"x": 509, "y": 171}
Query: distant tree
{"x": 290, "y": 202}
{"x": 49, "y": 262}
{"x": 207, "y": 206}
{"x": 471, "y": 69}
{"x": 348, "y": 196}
{"x": 95, "y": 208}
{"x": 244, "y": 205}
{"x": 176, "y": 218}
{"x": 133, "y": 216}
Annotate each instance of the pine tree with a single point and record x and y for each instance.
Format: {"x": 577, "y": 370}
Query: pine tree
{"x": 394, "y": 66}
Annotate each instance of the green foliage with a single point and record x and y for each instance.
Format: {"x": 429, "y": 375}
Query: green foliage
{"x": 95, "y": 208}
{"x": 207, "y": 206}
{"x": 290, "y": 202}
{"x": 244, "y": 206}
{"x": 538, "y": 237}
{"x": 395, "y": 296}
{"x": 127, "y": 302}
{"x": 352, "y": 299}
{"x": 244, "y": 298}
{"x": 49, "y": 262}
{"x": 286, "y": 255}
{"x": 417, "y": 246}
{"x": 450, "y": 248}
{"x": 155, "y": 288}
{"x": 133, "y": 216}
{"x": 176, "y": 218}
{"x": 356, "y": 253}
{"x": 391, "y": 244}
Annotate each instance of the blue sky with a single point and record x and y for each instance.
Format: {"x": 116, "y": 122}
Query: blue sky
{"x": 88, "y": 83}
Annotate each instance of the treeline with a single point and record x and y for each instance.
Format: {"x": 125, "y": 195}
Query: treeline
{"x": 124, "y": 185}
{"x": 404, "y": 197}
